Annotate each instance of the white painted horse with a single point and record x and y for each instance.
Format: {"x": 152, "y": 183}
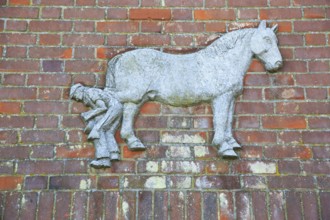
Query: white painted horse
{"x": 214, "y": 74}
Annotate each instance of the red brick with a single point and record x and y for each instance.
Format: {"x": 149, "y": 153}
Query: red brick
{"x": 252, "y": 94}
{"x": 193, "y": 205}
{"x": 85, "y": 79}
{"x": 243, "y": 205}
{"x": 184, "y": 3}
{"x": 19, "y": 12}
{"x": 13, "y": 79}
{"x": 50, "y": 26}
{"x": 17, "y": 93}
{"x": 318, "y": 66}
{"x": 112, "y": 204}
{"x": 150, "y": 40}
{"x": 40, "y": 167}
{"x": 49, "y": 39}
{"x": 255, "y": 3}
{"x": 117, "y": 13}
{"x": 282, "y": 122}
{"x": 52, "y": 3}
{"x": 19, "y": 66}
{"x": 62, "y": 205}
{"x": 108, "y": 182}
{"x": 117, "y": 26}
{"x": 256, "y": 80}
{"x": 313, "y": 53}
{"x": 51, "y": 12}
{"x": 77, "y": 167}
{"x": 309, "y": 2}
{"x": 217, "y": 182}
{"x": 79, "y": 205}
{"x": 227, "y": 207}
{"x": 316, "y": 93}
{"x": 29, "y": 209}
{"x": 291, "y": 182}
{"x": 288, "y": 167}
{"x": 182, "y": 14}
{"x": 161, "y": 205}
{"x": 84, "y": 26}
{"x": 118, "y": 2}
{"x": 84, "y": 13}
{"x": 42, "y": 152}
{"x": 313, "y": 79}
{"x": 246, "y": 166}
{"x": 215, "y": 27}
{"x": 215, "y": 14}
{"x": 151, "y": 3}
{"x": 74, "y": 152}
{"x": 35, "y": 182}
{"x": 183, "y": 40}
{"x": 323, "y": 182}
{"x": 248, "y": 14}
{"x": 309, "y": 203}
{"x": 46, "y": 122}
{"x": 146, "y": 14}
{"x": 324, "y": 203}
{"x": 45, "y": 107}
{"x": 210, "y": 205}
{"x": 177, "y": 205}
{"x": 17, "y": 39}
{"x": 52, "y": 136}
{"x": 248, "y": 122}
{"x": 283, "y": 13}
{"x": 16, "y": 121}
{"x": 8, "y": 137}
{"x": 19, "y": 2}
{"x": 10, "y": 182}
{"x": 280, "y": 3}
{"x": 45, "y": 205}
{"x": 316, "y": 167}
{"x": 299, "y": 152}
{"x": 150, "y": 108}
{"x": 291, "y": 40}
{"x": 145, "y": 205}
{"x": 259, "y": 205}
{"x": 50, "y": 52}
{"x": 70, "y": 182}
{"x": 246, "y": 137}
{"x": 16, "y": 25}
{"x": 290, "y": 93}
{"x": 10, "y": 107}
{"x": 314, "y": 13}
{"x": 316, "y": 137}
{"x": 52, "y": 66}
{"x": 183, "y": 27}
{"x": 16, "y": 52}
{"x": 12, "y": 205}
{"x": 85, "y": 2}
{"x": 50, "y": 93}
{"x": 276, "y": 205}
{"x": 279, "y": 80}
{"x": 253, "y": 108}
{"x": 83, "y": 39}
{"x": 320, "y": 122}
{"x": 293, "y": 205}
{"x": 309, "y": 26}
{"x": 302, "y": 108}
{"x": 84, "y": 66}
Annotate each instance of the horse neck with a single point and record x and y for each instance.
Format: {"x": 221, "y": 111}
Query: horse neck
{"x": 240, "y": 55}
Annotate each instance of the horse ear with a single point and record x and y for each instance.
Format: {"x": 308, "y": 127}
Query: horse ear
{"x": 262, "y": 25}
{"x": 275, "y": 28}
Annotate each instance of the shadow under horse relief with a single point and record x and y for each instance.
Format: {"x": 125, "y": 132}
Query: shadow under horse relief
{"x": 214, "y": 74}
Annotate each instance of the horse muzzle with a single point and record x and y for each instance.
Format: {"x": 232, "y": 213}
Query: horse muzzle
{"x": 274, "y": 67}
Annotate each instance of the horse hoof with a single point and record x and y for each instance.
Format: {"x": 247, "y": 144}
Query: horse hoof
{"x": 93, "y": 135}
{"x": 115, "y": 156}
{"x": 228, "y": 154}
{"x": 234, "y": 144}
{"x": 101, "y": 163}
{"x": 136, "y": 146}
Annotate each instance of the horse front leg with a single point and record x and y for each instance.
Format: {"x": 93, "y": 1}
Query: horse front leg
{"x": 229, "y": 135}
{"x": 221, "y": 107}
{"x": 127, "y": 133}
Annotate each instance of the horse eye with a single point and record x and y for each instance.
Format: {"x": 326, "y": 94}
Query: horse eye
{"x": 268, "y": 40}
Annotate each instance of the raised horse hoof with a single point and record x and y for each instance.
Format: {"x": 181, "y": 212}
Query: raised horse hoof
{"x": 228, "y": 154}
{"x": 234, "y": 144}
{"x": 114, "y": 156}
{"x": 93, "y": 135}
{"x": 101, "y": 163}
{"x": 136, "y": 146}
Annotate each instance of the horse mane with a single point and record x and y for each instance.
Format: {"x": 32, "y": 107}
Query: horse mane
{"x": 227, "y": 42}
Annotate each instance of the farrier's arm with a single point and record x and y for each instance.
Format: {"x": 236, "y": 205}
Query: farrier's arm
{"x": 98, "y": 109}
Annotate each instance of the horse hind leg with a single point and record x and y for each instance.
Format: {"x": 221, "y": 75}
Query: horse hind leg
{"x": 229, "y": 135}
{"x": 129, "y": 112}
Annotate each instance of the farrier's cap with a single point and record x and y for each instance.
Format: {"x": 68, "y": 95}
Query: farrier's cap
{"x": 74, "y": 89}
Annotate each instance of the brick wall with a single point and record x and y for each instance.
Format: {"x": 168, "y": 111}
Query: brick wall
{"x": 282, "y": 120}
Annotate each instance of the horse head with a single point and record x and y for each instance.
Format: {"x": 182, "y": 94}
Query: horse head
{"x": 264, "y": 46}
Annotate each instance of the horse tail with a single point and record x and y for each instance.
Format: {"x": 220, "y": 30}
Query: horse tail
{"x": 110, "y": 76}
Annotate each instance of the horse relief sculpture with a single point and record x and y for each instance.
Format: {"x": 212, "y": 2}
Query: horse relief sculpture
{"x": 214, "y": 74}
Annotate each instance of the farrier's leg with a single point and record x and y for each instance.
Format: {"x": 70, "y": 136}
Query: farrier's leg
{"x": 111, "y": 141}
{"x": 229, "y": 135}
{"x": 102, "y": 153}
{"x": 127, "y": 133}
{"x": 221, "y": 106}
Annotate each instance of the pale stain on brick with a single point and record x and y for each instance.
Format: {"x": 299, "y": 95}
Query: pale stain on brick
{"x": 155, "y": 182}
{"x": 261, "y": 167}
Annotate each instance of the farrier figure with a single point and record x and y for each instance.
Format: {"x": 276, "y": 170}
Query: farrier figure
{"x": 102, "y": 122}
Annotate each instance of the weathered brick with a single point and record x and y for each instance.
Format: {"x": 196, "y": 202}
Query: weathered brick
{"x": 293, "y": 205}
{"x": 182, "y": 14}
{"x": 245, "y": 137}
{"x": 71, "y": 182}
{"x": 255, "y": 3}
{"x": 74, "y": 151}
{"x": 150, "y": 40}
{"x": 310, "y": 207}
{"x": 291, "y": 182}
{"x": 183, "y": 27}
{"x": 214, "y": 14}
{"x": 324, "y": 200}
{"x": 316, "y": 167}
{"x": 16, "y": 25}
{"x": 145, "y": 182}
{"x": 51, "y": 12}
{"x": 217, "y": 182}
{"x": 128, "y": 206}
{"x": 49, "y": 39}
{"x": 108, "y": 182}
{"x": 8, "y": 137}
{"x": 226, "y": 203}
{"x": 118, "y": 2}
{"x": 50, "y": 52}
{"x": 302, "y": 108}
{"x": 84, "y": 13}
{"x": 29, "y": 205}
{"x": 145, "y": 205}
{"x": 193, "y": 205}
{"x": 40, "y": 167}
{"x": 210, "y": 206}
{"x": 259, "y": 206}
{"x": 51, "y": 3}
{"x": 45, "y": 205}
{"x": 35, "y": 182}
{"x": 308, "y": 26}
{"x": 50, "y": 26}
{"x": 276, "y": 205}
{"x": 257, "y": 167}
{"x": 161, "y": 205}
{"x": 300, "y": 152}
{"x": 19, "y": 12}
{"x": 62, "y": 205}
{"x": 46, "y": 107}
{"x": 284, "y": 122}
{"x": 79, "y": 205}
{"x": 184, "y": 3}
{"x": 243, "y": 209}
{"x": 316, "y": 137}
{"x": 283, "y": 13}
{"x": 19, "y": 66}
{"x": 284, "y": 93}
{"x": 14, "y": 79}
{"x": 52, "y": 66}
{"x": 146, "y": 14}
{"x": 12, "y": 204}
{"x": 117, "y": 13}
{"x": 17, "y": 152}
{"x": 117, "y": 26}
{"x": 11, "y": 182}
